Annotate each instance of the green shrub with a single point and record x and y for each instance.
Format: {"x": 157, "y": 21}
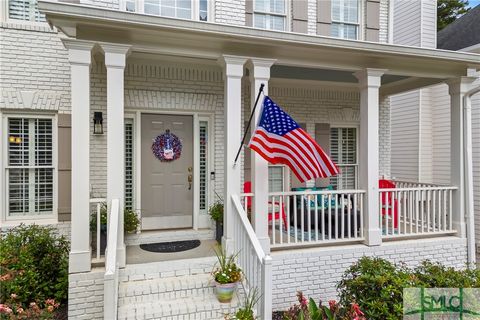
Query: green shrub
{"x": 131, "y": 221}
{"x": 377, "y": 285}
{"x": 33, "y": 266}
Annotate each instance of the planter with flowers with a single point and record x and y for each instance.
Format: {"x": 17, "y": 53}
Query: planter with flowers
{"x": 216, "y": 214}
{"x": 227, "y": 275}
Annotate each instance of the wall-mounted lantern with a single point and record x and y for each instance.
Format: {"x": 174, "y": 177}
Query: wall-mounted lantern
{"x": 97, "y": 123}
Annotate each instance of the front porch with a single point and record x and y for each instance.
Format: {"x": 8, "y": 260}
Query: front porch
{"x": 208, "y": 75}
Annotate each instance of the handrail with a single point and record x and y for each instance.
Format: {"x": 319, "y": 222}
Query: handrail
{"x": 313, "y": 192}
{"x": 256, "y": 264}
{"x": 419, "y": 182}
{"x": 248, "y": 228}
{"x": 110, "y": 293}
{"x": 418, "y": 188}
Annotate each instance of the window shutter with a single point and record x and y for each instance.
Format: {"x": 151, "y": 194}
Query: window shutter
{"x": 129, "y": 166}
{"x": 373, "y": 21}
{"x": 64, "y": 167}
{"x": 324, "y": 17}
{"x": 300, "y": 16}
{"x": 322, "y": 137}
{"x": 249, "y": 13}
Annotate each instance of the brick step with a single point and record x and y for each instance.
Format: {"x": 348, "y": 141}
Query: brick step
{"x": 167, "y": 269}
{"x": 191, "y": 307}
{"x": 169, "y": 288}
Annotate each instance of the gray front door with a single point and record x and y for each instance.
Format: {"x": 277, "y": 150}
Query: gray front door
{"x": 167, "y": 187}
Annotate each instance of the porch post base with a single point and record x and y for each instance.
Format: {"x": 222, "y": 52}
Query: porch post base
{"x": 121, "y": 255}
{"x": 461, "y": 229}
{"x": 79, "y": 261}
{"x": 373, "y": 238}
{"x": 265, "y": 243}
{"x": 227, "y": 245}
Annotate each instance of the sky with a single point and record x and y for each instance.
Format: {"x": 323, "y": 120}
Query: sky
{"x": 474, "y": 3}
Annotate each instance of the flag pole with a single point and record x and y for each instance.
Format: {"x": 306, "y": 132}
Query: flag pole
{"x": 249, "y": 123}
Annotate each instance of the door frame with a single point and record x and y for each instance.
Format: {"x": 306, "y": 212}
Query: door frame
{"x": 199, "y": 220}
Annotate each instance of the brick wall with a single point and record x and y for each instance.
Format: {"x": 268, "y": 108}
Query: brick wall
{"x": 34, "y": 62}
{"x": 317, "y": 271}
{"x": 85, "y": 295}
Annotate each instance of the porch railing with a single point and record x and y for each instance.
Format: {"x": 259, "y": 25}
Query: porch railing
{"x": 110, "y": 285}
{"x": 256, "y": 265}
{"x": 98, "y": 202}
{"x": 415, "y": 209}
{"x": 304, "y": 218}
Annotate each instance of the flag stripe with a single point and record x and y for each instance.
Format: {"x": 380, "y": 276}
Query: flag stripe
{"x": 280, "y": 140}
{"x": 274, "y": 150}
{"x": 296, "y": 148}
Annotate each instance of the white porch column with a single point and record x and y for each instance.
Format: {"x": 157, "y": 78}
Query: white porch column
{"x": 115, "y": 60}
{"x": 369, "y": 83}
{"x": 259, "y": 70}
{"x": 79, "y": 56}
{"x": 233, "y": 68}
{"x": 457, "y": 89}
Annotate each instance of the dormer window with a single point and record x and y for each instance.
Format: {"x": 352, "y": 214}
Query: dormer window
{"x": 345, "y": 19}
{"x": 183, "y": 9}
{"x": 270, "y": 14}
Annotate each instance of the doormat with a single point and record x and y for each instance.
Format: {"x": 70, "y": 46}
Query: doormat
{"x": 168, "y": 247}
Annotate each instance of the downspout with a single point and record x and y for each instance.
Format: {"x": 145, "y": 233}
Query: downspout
{"x": 468, "y": 172}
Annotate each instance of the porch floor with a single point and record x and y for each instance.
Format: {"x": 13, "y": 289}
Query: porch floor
{"x": 136, "y": 255}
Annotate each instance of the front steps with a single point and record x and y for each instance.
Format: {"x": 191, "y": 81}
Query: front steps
{"x": 180, "y": 289}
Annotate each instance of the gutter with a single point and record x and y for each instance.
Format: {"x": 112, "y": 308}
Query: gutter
{"x": 468, "y": 175}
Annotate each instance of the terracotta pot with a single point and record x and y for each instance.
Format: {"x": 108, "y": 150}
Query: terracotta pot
{"x": 225, "y": 291}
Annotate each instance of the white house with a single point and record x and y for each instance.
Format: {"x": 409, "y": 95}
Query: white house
{"x": 420, "y": 120}
{"x": 193, "y": 68}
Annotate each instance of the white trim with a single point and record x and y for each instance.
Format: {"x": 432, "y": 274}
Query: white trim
{"x": 196, "y": 170}
{"x": 45, "y": 218}
{"x": 195, "y": 9}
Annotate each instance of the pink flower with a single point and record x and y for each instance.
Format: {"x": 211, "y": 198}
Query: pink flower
{"x": 5, "y": 309}
{"x": 332, "y": 304}
{"x": 50, "y": 302}
{"x": 13, "y": 296}
{"x": 20, "y": 310}
{"x": 356, "y": 309}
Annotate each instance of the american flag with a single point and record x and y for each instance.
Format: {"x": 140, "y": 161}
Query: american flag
{"x": 280, "y": 140}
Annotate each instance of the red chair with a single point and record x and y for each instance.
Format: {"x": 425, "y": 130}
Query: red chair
{"x": 389, "y": 205}
{"x": 247, "y": 188}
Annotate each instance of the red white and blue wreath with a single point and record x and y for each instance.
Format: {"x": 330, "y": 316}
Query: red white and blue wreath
{"x": 167, "y": 147}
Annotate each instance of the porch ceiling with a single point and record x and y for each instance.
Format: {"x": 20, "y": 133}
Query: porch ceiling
{"x": 408, "y": 67}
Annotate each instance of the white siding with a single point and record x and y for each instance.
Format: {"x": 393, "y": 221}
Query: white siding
{"x": 406, "y": 22}
{"x": 476, "y": 162}
{"x": 441, "y": 134}
{"x": 429, "y": 24}
{"x": 425, "y": 144}
{"x": 405, "y": 135}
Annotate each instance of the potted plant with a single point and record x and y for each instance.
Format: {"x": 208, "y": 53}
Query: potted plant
{"x": 130, "y": 225}
{"x": 247, "y": 312}
{"x": 130, "y": 221}
{"x": 216, "y": 214}
{"x": 226, "y": 275}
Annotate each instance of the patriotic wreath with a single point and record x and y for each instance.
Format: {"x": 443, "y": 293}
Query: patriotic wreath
{"x": 167, "y": 147}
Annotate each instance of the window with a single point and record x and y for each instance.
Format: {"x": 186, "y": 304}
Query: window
{"x": 270, "y": 14}
{"x": 129, "y": 183}
{"x": 345, "y": 16}
{"x": 343, "y": 150}
{"x": 184, "y": 9}
{"x": 30, "y": 167}
{"x": 203, "y": 165}
{"x": 275, "y": 178}
{"x": 26, "y": 10}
